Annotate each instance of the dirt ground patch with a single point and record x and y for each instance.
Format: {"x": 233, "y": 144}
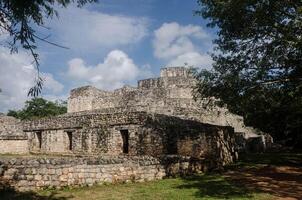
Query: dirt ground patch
{"x": 284, "y": 182}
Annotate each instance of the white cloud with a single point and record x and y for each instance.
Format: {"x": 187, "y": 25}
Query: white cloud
{"x": 51, "y": 84}
{"x": 52, "y": 97}
{"x": 172, "y": 39}
{"x": 81, "y": 29}
{"x": 116, "y": 69}
{"x": 177, "y": 45}
{"x": 17, "y": 76}
{"x": 195, "y": 59}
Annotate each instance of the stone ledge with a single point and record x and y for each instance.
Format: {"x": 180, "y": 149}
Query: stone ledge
{"x": 38, "y": 173}
{"x": 13, "y": 137}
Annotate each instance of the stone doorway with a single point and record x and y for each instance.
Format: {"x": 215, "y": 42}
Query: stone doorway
{"x": 69, "y": 144}
{"x": 39, "y": 139}
{"x": 125, "y": 137}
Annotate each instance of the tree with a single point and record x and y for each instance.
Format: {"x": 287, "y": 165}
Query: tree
{"x": 19, "y": 18}
{"x": 38, "y": 108}
{"x": 257, "y": 68}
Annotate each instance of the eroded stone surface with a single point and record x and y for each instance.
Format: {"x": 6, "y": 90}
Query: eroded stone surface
{"x": 131, "y": 131}
{"x": 12, "y": 137}
{"x": 47, "y": 172}
{"x": 169, "y": 94}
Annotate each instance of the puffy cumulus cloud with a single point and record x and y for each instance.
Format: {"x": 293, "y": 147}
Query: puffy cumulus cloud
{"x": 56, "y": 97}
{"x": 17, "y": 76}
{"x": 195, "y": 59}
{"x": 51, "y": 84}
{"x": 116, "y": 69}
{"x": 82, "y": 29}
{"x": 177, "y": 45}
{"x": 172, "y": 39}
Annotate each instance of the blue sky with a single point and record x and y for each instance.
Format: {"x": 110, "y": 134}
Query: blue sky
{"x": 111, "y": 43}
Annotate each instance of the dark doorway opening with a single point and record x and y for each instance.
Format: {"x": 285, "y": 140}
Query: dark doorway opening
{"x": 171, "y": 144}
{"x": 125, "y": 137}
{"x": 39, "y": 139}
{"x": 69, "y": 134}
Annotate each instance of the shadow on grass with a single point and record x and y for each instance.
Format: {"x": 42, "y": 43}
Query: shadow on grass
{"x": 8, "y": 193}
{"x": 281, "y": 181}
{"x": 278, "y": 174}
{"x": 214, "y": 186}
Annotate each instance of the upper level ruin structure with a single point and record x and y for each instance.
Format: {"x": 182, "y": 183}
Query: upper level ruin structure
{"x": 156, "y": 128}
{"x": 160, "y": 113}
{"x": 170, "y": 94}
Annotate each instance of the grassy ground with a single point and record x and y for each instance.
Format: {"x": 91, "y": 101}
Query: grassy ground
{"x": 196, "y": 187}
{"x": 256, "y": 176}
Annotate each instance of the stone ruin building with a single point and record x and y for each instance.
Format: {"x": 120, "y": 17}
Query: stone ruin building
{"x": 157, "y": 118}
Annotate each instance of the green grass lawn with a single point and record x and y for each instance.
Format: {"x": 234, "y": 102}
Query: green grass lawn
{"x": 205, "y": 186}
{"x": 195, "y": 187}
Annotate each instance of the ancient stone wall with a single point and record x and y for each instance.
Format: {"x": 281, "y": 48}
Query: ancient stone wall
{"x": 10, "y": 126}
{"x": 89, "y": 133}
{"x": 81, "y": 99}
{"x": 173, "y": 84}
{"x": 38, "y": 173}
{"x": 174, "y": 72}
{"x": 146, "y": 134}
{"x": 169, "y": 94}
{"x": 13, "y": 145}
{"x": 12, "y": 138}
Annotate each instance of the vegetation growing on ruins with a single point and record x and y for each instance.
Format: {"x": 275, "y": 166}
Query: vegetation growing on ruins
{"x": 38, "y": 108}
{"x": 257, "y": 63}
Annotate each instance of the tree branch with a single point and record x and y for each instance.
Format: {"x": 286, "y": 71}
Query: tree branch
{"x": 52, "y": 43}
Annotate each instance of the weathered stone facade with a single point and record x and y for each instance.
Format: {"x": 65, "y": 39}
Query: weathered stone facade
{"x": 39, "y": 173}
{"x": 133, "y": 146}
{"x": 133, "y": 133}
{"x": 125, "y": 134}
{"x": 12, "y": 138}
{"x": 169, "y": 94}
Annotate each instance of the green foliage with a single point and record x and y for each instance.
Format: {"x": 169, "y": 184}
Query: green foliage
{"x": 38, "y": 108}
{"x": 20, "y": 18}
{"x": 257, "y": 66}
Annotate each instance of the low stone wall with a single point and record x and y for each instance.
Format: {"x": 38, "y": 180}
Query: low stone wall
{"x": 258, "y": 144}
{"x": 38, "y": 173}
{"x": 13, "y": 144}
